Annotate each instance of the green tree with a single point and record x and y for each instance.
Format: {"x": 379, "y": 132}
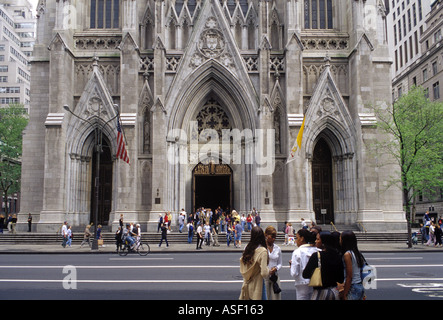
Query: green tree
{"x": 415, "y": 125}
{"x": 13, "y": 120}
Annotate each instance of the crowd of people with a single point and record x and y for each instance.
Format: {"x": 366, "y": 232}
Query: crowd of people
{"x": 207, "y": 225}
{"x": 431, "y": 232}
{"x": 336, "y": 255}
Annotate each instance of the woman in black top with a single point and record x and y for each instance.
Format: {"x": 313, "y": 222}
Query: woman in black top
{"x": 331, "y": 268}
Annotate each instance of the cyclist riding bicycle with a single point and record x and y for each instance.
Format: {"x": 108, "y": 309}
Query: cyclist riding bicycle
{"x": 128, "y": 236}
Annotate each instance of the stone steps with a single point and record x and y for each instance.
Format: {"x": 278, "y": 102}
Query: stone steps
{"x": 173, "y": 237}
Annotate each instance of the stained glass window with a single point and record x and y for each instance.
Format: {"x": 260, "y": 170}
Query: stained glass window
{"x": 318, "y": 14}
{"x": 105, "y": 14}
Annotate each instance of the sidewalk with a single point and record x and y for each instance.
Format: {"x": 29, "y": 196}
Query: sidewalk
{"x": 190, "y": 248}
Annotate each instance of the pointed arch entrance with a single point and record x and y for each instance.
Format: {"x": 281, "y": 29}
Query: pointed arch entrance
{"x": 322, "y": 188}
{"x": 212, "y": 186}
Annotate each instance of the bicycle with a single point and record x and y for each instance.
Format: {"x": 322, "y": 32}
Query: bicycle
{"x": 141, "y": 248}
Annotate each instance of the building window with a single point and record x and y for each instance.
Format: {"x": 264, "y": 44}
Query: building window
{"x": 414, "y": 14}
{"x": 420, "y": 11}
{"x": 318, "y": 14}
{"x": 437, "y": 36}
{"x": 436, "y": 90}
{"x": 105, "y": 14}
{"x": 425, "y": 75}
{"x": 434, "y": 68}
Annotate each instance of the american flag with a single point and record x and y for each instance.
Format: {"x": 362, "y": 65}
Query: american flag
{"x": 121, "y": 150}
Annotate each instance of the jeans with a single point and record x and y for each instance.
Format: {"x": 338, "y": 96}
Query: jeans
{"x": 130, "y": 240}
{"x": 161, "y": 241}
{"x": 356, "y": 292}
{"x": 228, "y": 238}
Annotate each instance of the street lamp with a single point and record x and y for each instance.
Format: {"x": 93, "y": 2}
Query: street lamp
{"x": 98, "y": 139}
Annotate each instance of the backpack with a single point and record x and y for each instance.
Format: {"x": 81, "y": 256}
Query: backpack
{"x": 368, "y": 275}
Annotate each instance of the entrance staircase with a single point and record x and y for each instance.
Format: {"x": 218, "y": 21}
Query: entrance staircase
{"x": 176, "y": 237}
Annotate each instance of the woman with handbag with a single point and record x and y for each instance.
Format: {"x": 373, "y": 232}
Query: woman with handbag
{"x": 254, "y": 267}
{"x": 353, "y": 261}
{"x": 329, "y": 267}
{"x": 273, "y": 289}
{"x": 305, "y": 249}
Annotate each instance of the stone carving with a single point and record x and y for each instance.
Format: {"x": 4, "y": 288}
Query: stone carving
{"x": 212, "y": 168}
{"x": 212, "y": 116}
{"x": 211, "y": 45}
{"x": 325, "y": 44}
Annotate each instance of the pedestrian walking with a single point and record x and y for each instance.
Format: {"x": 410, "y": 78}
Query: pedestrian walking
{"x": 215, "y": 233}
{"x": 199, "y": 236}
{"x": 64, "y": 233}
{"x": 228, "y": 234}
{"x": 164, "y": 230}
{"x": 118, "y": 238}
{"x": 190, "y": 232}
{"x": 254, "y": 267}
{"x": 181, "y": 220}
{"x": 305, "y": 249}
{"x": 69, "y": 236}
{"x": 207, "y": 231}
{"x": 86, "y": 236}
{"x": 2, "y": 222}
{"x": 431, "y": 234}
{"x": 438, "y": 234}
{"x": 238, "y": 233}
{"x": 331, "y": 267}
{"x": 353, "y": 260}
{"x": 273, "y": 288}
{"x": 99, "y": 235}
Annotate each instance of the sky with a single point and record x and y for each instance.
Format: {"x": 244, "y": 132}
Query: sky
{"x": 34, "y": 3}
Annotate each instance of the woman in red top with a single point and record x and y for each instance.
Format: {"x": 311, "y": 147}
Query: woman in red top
{"x": 165, "y": 220}
{"x": 249, "y": 222}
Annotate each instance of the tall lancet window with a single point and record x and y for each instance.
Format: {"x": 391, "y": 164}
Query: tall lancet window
{"x": 318, "y": 14}
{"x": 105, "y": 14}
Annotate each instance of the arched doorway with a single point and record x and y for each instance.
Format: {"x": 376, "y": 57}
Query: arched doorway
{"x": 322, "y": 188}
{"x": 105, "y": 185}
{"x": 212, "y": 186}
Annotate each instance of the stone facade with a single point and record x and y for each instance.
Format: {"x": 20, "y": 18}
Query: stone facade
{"x": 211, "y": 95}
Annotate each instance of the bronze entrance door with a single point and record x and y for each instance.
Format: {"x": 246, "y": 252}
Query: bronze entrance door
{"x": 212, "y": 186}
{"x": 105, "y": 186}
{"x": 322, "y": 189}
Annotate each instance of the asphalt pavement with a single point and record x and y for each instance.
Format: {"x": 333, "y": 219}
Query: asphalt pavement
{"x": 369, "y": 246}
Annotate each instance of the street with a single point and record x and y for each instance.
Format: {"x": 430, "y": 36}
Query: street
{"x": 190, "y": 276}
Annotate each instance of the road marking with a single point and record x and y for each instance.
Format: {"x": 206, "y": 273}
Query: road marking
{"x": 125, "y": 258}
{"x": 194, "y": 266}
{"x": 399, "y": 258}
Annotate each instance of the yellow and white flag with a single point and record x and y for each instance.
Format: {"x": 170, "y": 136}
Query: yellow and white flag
{"x": 297, "y": 144}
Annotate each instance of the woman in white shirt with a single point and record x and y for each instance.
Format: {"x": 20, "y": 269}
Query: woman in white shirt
{"x": 273, "y": 290}
{"x": 300, "y": 257}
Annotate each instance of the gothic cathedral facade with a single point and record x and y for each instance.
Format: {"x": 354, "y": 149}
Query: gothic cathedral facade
{"x": 210, "y": 95}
